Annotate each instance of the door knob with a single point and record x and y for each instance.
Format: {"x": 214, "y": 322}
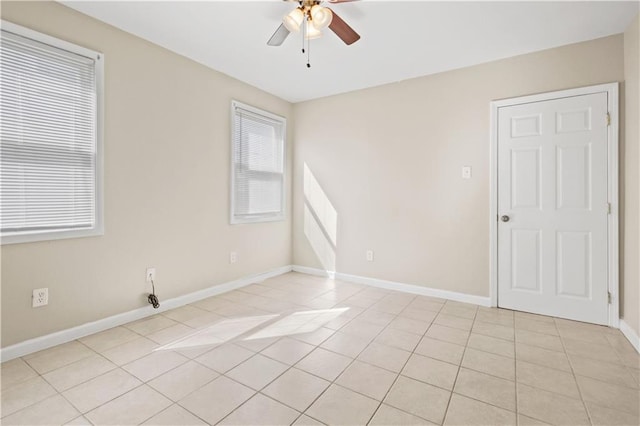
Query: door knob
{"x": 505, "y": 218}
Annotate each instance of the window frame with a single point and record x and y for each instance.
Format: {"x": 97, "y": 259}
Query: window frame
{"x": 270, "y": 217}
{"x": 17, "y": 237}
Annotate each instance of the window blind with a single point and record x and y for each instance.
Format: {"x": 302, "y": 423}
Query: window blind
{"x": 48, "y": 138}
{"x": 258, "y": 165}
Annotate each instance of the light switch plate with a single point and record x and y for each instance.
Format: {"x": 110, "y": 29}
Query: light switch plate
{"x": 466, "y": 172}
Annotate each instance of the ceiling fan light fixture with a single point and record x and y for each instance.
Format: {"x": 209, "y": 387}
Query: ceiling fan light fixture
{"x": 312, "y": 31}
{"x": 293, "y": 20}
{"x": 321, "y": 16}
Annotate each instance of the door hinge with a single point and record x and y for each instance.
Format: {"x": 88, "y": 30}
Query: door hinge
{"x": 608, "y": 208}
{"x": 608, "y": 119}
{"x": 609, "y": 297}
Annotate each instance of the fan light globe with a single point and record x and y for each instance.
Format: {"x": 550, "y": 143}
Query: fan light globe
{"x": 312, "y": 31}
{"x": 293, "y": 20}
{"x": 321, "y": 16}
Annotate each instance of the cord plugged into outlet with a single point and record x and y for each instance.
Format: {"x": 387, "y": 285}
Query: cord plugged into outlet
{"x": 152, "y": 298}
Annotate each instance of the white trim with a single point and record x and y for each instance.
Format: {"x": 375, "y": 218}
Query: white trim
{"x": 314, "y": 271}
{"x": 64, "y": 336}
{"x": 267, "y": 217}
{"x": 613, "y": 218}
{"x": 393, "y": 285}
{"x": 630, "y": 334}
{"x": 493, "y": 207}
{"x": 47, "y": 39}
{"x": 613, "y": 230}
{"x": 98, "y": 228}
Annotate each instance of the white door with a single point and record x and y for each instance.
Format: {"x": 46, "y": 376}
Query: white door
{"x": 552, "y": 207}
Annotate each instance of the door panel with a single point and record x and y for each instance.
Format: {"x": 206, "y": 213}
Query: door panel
{"x": 574, "y": 264}
{"x": 525, "y": 258}
{"x": 552, "y": 185}
{"x": 525, "y": 175}
{"x": 574, "y": 177}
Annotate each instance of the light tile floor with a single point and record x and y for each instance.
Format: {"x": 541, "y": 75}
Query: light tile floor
{"x": 305, "y": 350}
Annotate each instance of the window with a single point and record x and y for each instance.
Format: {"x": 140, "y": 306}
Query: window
{"x": 257, "y": 163}
{"x": 50, "y": 138}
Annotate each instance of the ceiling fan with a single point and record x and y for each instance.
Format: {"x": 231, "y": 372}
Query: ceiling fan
{"x": 311, "y": 17}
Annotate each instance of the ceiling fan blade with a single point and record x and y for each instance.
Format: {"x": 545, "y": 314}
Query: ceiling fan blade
{"x": 340, "y": 1}
{"x": 279, "y": 36}
{"x": 343, "y": 30}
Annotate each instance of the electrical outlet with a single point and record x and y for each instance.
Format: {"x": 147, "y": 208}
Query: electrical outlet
{"x": 40, "y": 297}
{"x": 369, "y": 255}
{"x": 466, "y": 172}
{"x": 151, "y": 274}
{"x": 233, "y": 257}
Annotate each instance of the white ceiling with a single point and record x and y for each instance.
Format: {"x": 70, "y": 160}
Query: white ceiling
{"x": 400, "y": 40}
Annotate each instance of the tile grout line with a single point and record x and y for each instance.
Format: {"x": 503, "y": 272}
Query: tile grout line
{"x": 453, "y": 387}
{"x": 355, "y": 358}
{"x": 403, "y": 367}
{"x": 95, "y": 352}
{"x": 333, "y": 382}
{"x": 280, "y": 375}
{"x": 396, "y": 316}
{"x": 49, "y": 383}
{"x": 317, "y": 346}
{"x": 256, "y": 392}
{"x": 71, "y": 403}
{"x": 575, "y": 378}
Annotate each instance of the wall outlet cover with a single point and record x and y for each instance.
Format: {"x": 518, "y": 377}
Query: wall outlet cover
{"x": 40, "y": 297}
{"x": 369, "y": 255}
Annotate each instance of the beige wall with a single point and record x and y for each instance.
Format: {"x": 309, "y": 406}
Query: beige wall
{"x": 166, "y": 162}
{"x": 631, "y": 239}
{"x": 389, "y": 161}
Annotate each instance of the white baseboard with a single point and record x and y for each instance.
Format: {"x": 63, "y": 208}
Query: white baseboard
{"x": 392, "y": 285}
{"x": 64, "y": 336}
{"x": 626, "y": 330}
{"x": 416, "y": 289}
{"x": 313, "y": 271}
{"x": 630, "y": 334}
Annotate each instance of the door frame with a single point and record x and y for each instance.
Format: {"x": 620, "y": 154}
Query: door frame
{"x": 612, "y": 187}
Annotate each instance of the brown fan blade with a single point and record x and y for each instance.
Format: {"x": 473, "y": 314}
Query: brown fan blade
{"x": 343, "y": 30}
{"x": 279, "y": 36}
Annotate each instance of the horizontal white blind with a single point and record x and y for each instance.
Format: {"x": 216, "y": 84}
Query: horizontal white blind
{"x": 47, "y": 137}
{"x": 258, "y": 156}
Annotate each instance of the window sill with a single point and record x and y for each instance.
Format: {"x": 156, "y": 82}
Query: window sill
{"x": 36, "y": 236}
{"x": 260, "y": 219}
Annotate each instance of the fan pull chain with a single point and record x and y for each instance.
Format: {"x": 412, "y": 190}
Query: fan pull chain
{"x": 304, "y": 30}
{"x": 307, "y": 23}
